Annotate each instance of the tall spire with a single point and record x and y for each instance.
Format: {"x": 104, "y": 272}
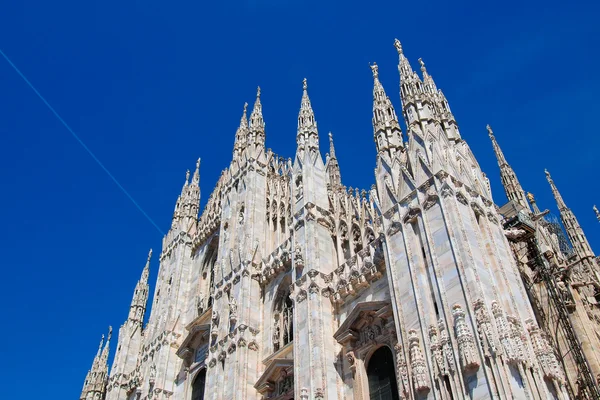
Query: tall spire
{"x": 306, "y": 117}
{"x": 241, "y": 135}
{"x": 404, "y": 67}
{"x": 597, "y": 213}
{"x": 308, "y": 135}
{"x": 196, "y": 177}
{"x": 331, "y": 148}
{"x": 94, "y": 386}
{"x": 576, "y": 235}
{"x": 427, "y": 79}
{"x": 557, "y": 196}
{"x": 531, "y": 199}
{"x": 511, "y": 184}
{"x": 257, "y": 123}
{"x": 410, "y": 83}
{"x": 140, "y": 294}
{"x": 386, "y": 129}
{"x": 333, "y": 167}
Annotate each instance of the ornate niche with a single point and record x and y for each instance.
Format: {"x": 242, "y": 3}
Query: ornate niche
{"x": 283, "y": 317}
{"x": 277, "y": 382}
{"x": 368, "y": 328}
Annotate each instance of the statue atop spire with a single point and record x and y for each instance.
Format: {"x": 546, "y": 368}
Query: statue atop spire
{"x": 307, "y": 137}
{"x": 575, "y": 233}
{"x": 257, "y": 123}
{"x": 140, "y": 295}
{"x": 386, "y": 129}
{"x": 557, "y": 196}
{"x": 306, "y": 117}
{"x": 96, "y": 379}
{"x": 196, "y": 177}
{"x": 331, "y": 148}
{"x": 597, "y": 213}
{"x": 241, "y": 134}
{"x": 512, "y": 187}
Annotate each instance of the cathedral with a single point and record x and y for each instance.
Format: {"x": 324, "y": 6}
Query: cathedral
{"x": 289, "y": 285}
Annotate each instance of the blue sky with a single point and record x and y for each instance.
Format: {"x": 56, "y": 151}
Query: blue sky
{"x": 151, "y": 86}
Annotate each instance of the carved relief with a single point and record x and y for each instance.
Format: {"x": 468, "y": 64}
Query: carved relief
{"x": 466, "y": 343}
{"x": 417, "y": 362}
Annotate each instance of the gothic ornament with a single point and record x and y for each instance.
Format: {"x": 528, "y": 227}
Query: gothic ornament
{"x": 466, "y": 343}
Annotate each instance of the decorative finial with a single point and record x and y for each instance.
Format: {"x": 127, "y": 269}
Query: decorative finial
{"x": 489, "y": 129}
{"x": 245, "y": 108}
{"x": 198, "y": 163}
{"x": 423, "y": 69}
{"x": 187, "y": 176}
{"x": 398, "y": 46}
{"x": 304, "y": 84}
{"x": 258, "y": 91}
{"x": 149, "y": 255}
{"x": 547, "y": 173}
{"x": 597, "y": 213}
{"x": 109, "y": 333}
{"x": 375, "y": 70}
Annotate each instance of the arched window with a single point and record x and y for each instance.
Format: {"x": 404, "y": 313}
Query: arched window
{"x": 198, "y": 386}
{"x": 283, "y": 317}
{"x": 382, "y": 375}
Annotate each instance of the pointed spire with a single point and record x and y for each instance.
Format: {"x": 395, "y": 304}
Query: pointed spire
{"x": 97, "y": 377}
{"x": 257, "y": 124}
{"x": 140, "y": 294}
{"x": 581, "y": 246}
{"x": 533, "y": 203}
{"x": 499, "y": 154}
{"x": 306, "y": 117}
{"x": 146, "y": 270}
{"x": 333, "y": 167}
{"x": 597, "y": 213}
{"x": 331, "y": 148}
{"x": 559, "y": 200}
{"x": 241, "y": 134}
{"x": 104, "y": 358}
{"x": 512, "y": 187}
{"x": 196, "y": 177}
{"x": 427, "y": 79}
{"x": 403, "y": 64}
{"x": 386, "y": 128}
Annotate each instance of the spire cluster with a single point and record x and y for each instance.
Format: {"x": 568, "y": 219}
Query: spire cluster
{"x": 94, "y": 386}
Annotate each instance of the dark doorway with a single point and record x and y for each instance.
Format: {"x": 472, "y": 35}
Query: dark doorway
{"x": 198, "y": 386}
{"x": 381, "y": 371}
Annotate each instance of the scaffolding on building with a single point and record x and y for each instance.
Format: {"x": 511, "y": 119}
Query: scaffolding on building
{"x": 515, "y": 218}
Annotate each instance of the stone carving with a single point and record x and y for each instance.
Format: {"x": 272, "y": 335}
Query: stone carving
{"x": 514, "y": 233}
{"x": 484, "y": 328}
{"x": 545, "y": 355}
{"x": 446, "y": 347}
{"x": 233, "y": 310}
{"x": 152, "y": 374}
{"x": 403, "y": 380}
{"x": 319, "y": 393}
{"x": 215, "y": 317}
{"x": 466, "y": 343}
{"x": 417, "y": 363}
{"x": 298, "y": 259}
{"x": 304, "y": 394}
{"x": 437, "y": 353}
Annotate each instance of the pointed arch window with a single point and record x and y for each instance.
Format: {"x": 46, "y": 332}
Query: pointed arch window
{"x": 198, "y": 386}
{"x": 382, "y": 375}
{"x": 283, "y": 318}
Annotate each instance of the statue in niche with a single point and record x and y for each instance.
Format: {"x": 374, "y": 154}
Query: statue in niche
{"x": 241, "y": 216}
{"x": 232, "y": 309}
